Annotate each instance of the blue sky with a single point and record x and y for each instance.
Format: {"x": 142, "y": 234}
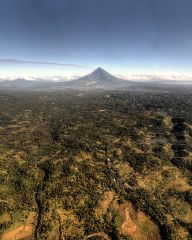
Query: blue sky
{"x": 123, "y": 36}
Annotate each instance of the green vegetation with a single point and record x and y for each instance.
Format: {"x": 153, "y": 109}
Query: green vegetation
{"x": 95, "y": 165}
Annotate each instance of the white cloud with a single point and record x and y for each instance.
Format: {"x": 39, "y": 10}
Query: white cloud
{"x": 157, "y": 77}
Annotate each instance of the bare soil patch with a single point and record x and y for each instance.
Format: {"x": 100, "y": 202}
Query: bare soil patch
{"x": 135, "y": 224}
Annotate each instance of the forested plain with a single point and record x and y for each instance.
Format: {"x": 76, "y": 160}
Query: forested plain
{"x": 95, "y": 165}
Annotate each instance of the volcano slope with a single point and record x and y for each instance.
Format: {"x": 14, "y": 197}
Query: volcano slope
{"x": 106, "y": 165}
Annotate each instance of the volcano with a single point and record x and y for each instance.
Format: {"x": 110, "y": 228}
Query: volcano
{"x": 98, "y": 79}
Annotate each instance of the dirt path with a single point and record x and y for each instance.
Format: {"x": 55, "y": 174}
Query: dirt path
{"x": 100, "y": 234}
{"x": 26, "y": 231}
{"x": 129, "y": 226}
{"x": 18, "y": 233}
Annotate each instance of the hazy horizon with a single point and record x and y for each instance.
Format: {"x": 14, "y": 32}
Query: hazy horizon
{"x": 72, "y": 75}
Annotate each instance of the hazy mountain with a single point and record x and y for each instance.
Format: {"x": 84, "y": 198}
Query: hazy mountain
{"x": 98, "y": 79}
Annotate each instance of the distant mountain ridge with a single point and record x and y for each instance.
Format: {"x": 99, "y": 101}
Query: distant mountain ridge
{"x": 98, "y": 79}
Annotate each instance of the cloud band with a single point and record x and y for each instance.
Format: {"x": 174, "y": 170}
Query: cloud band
{"x": 16, "y": 61}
